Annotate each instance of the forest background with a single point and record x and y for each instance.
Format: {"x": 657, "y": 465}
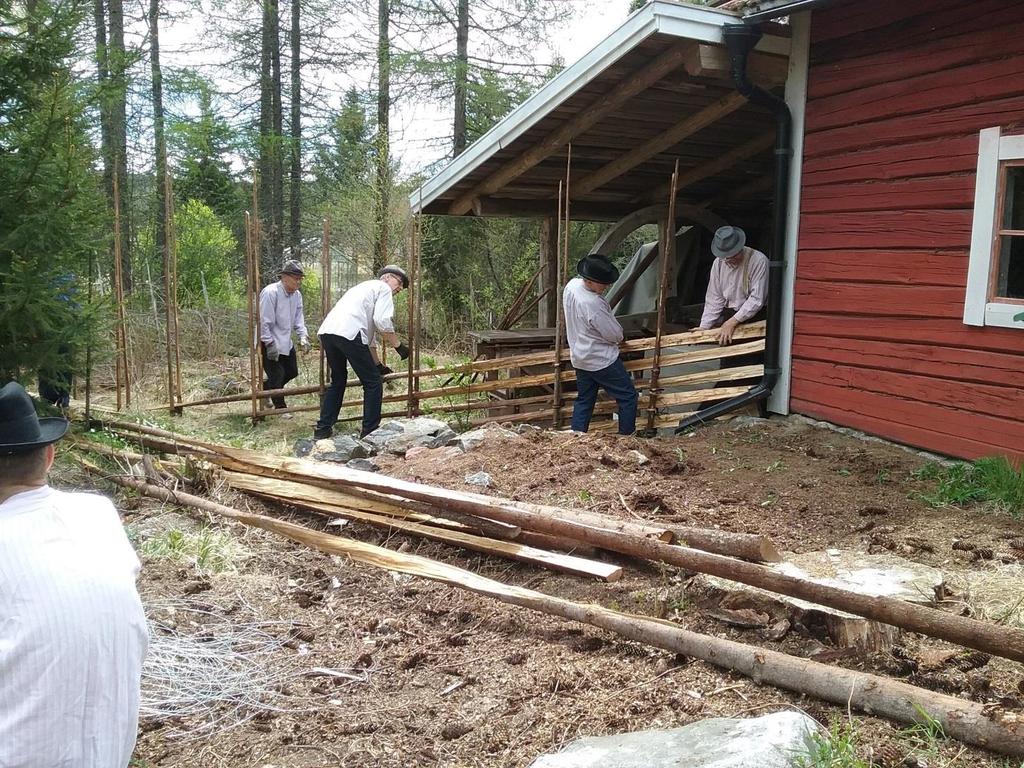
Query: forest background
{"x": 99, "y": 115}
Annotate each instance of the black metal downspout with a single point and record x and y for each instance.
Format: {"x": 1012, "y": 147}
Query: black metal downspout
{"x": 740, "y": 39}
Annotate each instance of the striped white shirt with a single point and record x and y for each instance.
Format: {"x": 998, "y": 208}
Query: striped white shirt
{"x": 72, "y": 633}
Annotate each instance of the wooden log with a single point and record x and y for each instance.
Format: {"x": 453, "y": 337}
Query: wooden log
{"x": 1007, "y": 642}
{"x": 551, "y": 560}
{"x": 973, "y": 723}
{"x": 292, "y": 492}
{"x": 746, "y": 546}
{"x": 722, "y": 163}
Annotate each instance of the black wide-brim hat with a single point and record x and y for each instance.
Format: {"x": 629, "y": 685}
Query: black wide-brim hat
{"x": 21, "y": 429}
{"x": 598, "y": 268}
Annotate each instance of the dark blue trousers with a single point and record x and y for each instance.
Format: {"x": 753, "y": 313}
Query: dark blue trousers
{"x": 341, "y": 353}
{"x": 617, "y": 382}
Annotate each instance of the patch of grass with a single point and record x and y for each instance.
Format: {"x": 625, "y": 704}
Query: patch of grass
{"x": 207, "y": 550}
{"x": 924, "y": 736}
{"x": 989, "y": 480}
{"x": 775, "y": 466}
{"x": 834, "y": 748}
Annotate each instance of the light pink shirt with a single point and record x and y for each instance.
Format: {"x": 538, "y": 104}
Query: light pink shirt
{"x": 743, "y": 287}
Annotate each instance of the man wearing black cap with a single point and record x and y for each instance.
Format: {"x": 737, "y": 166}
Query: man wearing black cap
{"x": 594, "y": 337}
{"x": 281, "y": 313}
{"x": 348, "y": 336}
{"x": 72, "y": 631}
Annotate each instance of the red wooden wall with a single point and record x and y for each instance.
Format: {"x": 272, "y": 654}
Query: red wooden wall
{"x": 897, "y": 93}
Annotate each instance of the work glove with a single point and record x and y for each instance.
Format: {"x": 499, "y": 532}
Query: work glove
{"x": 383, "y": 370}
{"x": 403, "y": 351}
{"x": 304, "y": 345}
{"x": 272, "y": 352}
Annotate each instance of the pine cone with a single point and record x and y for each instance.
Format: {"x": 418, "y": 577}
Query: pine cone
{"x": 887, "y": 754}
{"x": 963, "y": 546}
{"x": 971, "y": 660}
{"x": 984, "y": 553}
{"x": 1017, "y": 543}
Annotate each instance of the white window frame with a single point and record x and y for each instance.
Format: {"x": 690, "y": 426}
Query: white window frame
{"x": 993, "y": 149}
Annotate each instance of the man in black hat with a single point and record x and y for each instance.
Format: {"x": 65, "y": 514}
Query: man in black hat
{"x": 72, "y": 631}
{"x": 281, "y": 313}
{"x": 594, "y": 337}
{"x": 348, "y": 336}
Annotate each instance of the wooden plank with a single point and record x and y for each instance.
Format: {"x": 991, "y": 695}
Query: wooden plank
{"x": 905, "y": 95}
{"x": 947, "y": 332}
{"x": 660, "y": 143}
{"x": 577, "y": 566}
{"x": 901, "y": 160}
{"x": 914, "y": 424}
{"x": 877, "y": 299}
{"x": 714, "y": 167}
{"x": 886, "y": 229}
{"x": 956, "y": 121}
{"x": 885, "y": 266}
{"x": 671, "y": 59}
{"x": 941, "y": 53}
{"x": 997, "y": 410}
{"x": 922, "y": 193}
{"x": 964, "y": 365}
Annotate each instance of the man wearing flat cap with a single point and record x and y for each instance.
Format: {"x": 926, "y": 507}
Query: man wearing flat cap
{"x": 349, "y": 335}
{"x": 72, "y": 631}
{"x": 281, "y": 314}
{"x": 594, "y": 336}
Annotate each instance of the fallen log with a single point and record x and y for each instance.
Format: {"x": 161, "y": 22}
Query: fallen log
{"x": 577, "y": 566}
{"x": 970, "y": 722}
{"x": 746, "y": 546}
{"x": 1007, "y": 642}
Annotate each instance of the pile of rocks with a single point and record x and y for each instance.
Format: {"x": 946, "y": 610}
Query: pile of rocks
{"x": 397, "y": 437}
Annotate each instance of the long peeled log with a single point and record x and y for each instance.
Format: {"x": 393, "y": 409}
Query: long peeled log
{"x": 1007, "y": 642}
{"x": 967, "y": 721}
{"x": 747, "y": 546}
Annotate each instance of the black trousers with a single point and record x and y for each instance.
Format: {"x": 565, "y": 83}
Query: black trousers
{"x": 279, "y": 372}
{"x": 341, "y": 353}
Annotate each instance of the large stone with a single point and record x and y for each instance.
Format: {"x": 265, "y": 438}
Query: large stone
{"x": 303, "y": 447}
{"x": 364, "y": 465}
{"x": 399, "y": 435}
{"x": 225, "y": 385}
{"x": 344, "y": 448}
{"x": 878, "y": 575}
{"x": 468, "y": 441}
{"x": 778, "y": 740}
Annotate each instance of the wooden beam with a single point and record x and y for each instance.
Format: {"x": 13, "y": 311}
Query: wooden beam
{"x": 660, "y": 143}
{"x": 722, "y": 163}
{"x": 765, "y": 69}
{"x": 628, "y": 87}
{"x": 547, "y": 308}
{"x": 532, "y": 209}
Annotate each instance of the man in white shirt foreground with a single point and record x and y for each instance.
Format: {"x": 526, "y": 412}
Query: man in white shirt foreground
{"x": 594, "y": 337}
{"x": 281, "y": 313}
{"x": 348, "y": 335}
{"x": 72, "y": 631}
{"x": 737, "y": 293}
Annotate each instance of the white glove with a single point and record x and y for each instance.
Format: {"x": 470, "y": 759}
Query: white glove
{"x": 272, "y": 352}
{"x": 304, "y": 345}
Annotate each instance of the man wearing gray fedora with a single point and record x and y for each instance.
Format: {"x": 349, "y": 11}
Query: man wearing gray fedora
{"x": 73, "y": 633}
{"x": 281, "y": 314}
{"x": 594, "y": 336}
{"x": 737, "y": 293}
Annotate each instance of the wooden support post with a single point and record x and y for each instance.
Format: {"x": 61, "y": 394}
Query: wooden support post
{"x": 172, "y": 248}
{"x": 668, "y": 252}
{"x": 325, "y": 292}
{"x": 250, "y": 295}
{"x": 254, "y": 330}
{"x": 410, "y": 302}
{"x": 559, "y": 320}
{"x": 549, "y": 247}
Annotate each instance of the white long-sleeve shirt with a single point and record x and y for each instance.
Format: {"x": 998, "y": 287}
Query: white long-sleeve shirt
{"x": 280, "y": 314}
{"x": 72, "y": 633}
{"x": 743, "y": 287}
{"x": 593, "y": 332}
{"x": 364, "y": 309}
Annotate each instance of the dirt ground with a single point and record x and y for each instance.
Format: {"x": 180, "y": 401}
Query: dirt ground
{"x": 427, "y": 675}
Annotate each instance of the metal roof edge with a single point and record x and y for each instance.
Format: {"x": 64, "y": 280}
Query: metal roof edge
{"x": 659, "y": 16}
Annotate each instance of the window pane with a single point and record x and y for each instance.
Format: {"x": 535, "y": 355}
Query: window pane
{"x": 1013, "y": 212}
{"x": 1010, "y": 278}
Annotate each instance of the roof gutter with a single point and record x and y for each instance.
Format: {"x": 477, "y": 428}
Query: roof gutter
{"x": 740, "y": 40}
{"x": 774, "y": 10}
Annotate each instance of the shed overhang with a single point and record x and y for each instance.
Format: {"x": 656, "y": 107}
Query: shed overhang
{"x": 656, "y": 90}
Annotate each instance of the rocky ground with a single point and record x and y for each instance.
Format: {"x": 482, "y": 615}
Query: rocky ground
{"x": 340, "y": 664}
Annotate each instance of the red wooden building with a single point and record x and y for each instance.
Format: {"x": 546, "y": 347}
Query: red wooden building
{"x": 890, "y": 335}
{"x": 904, "y": 233}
